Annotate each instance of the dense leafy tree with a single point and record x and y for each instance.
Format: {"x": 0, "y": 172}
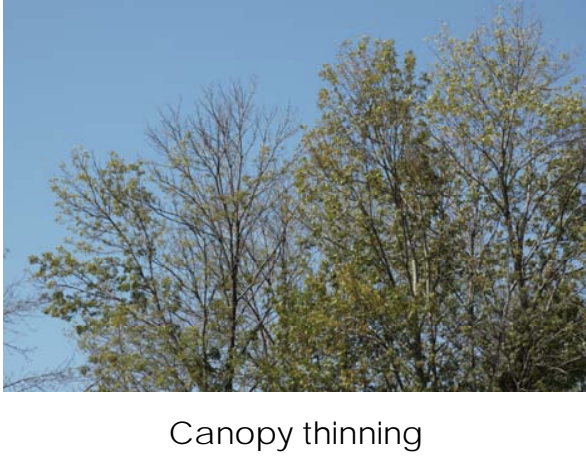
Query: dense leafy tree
{"x": 514, "y": 126}
{"x": 449, "y": 217}
{"x": 375, "y": 201}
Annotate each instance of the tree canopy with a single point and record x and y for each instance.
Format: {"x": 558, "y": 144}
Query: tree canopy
{"x": 428, "y": 233}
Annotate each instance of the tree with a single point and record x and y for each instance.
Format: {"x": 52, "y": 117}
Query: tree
{"x": 430, "y": 236}
{"x": 514, "y": 126}
{"x": 17, "y": 311}
{"x": 171, "y": 262}
{"x": 448, "y": 214}
{"x": 373, "y": 313}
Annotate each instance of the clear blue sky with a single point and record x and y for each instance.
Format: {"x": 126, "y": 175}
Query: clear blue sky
{"x": 93, "y": 73}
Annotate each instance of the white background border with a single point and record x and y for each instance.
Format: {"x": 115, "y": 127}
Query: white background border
{"x": 460, "y": 428}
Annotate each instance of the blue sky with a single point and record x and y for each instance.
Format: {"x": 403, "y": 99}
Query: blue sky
{"x": 94, "y": 73}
